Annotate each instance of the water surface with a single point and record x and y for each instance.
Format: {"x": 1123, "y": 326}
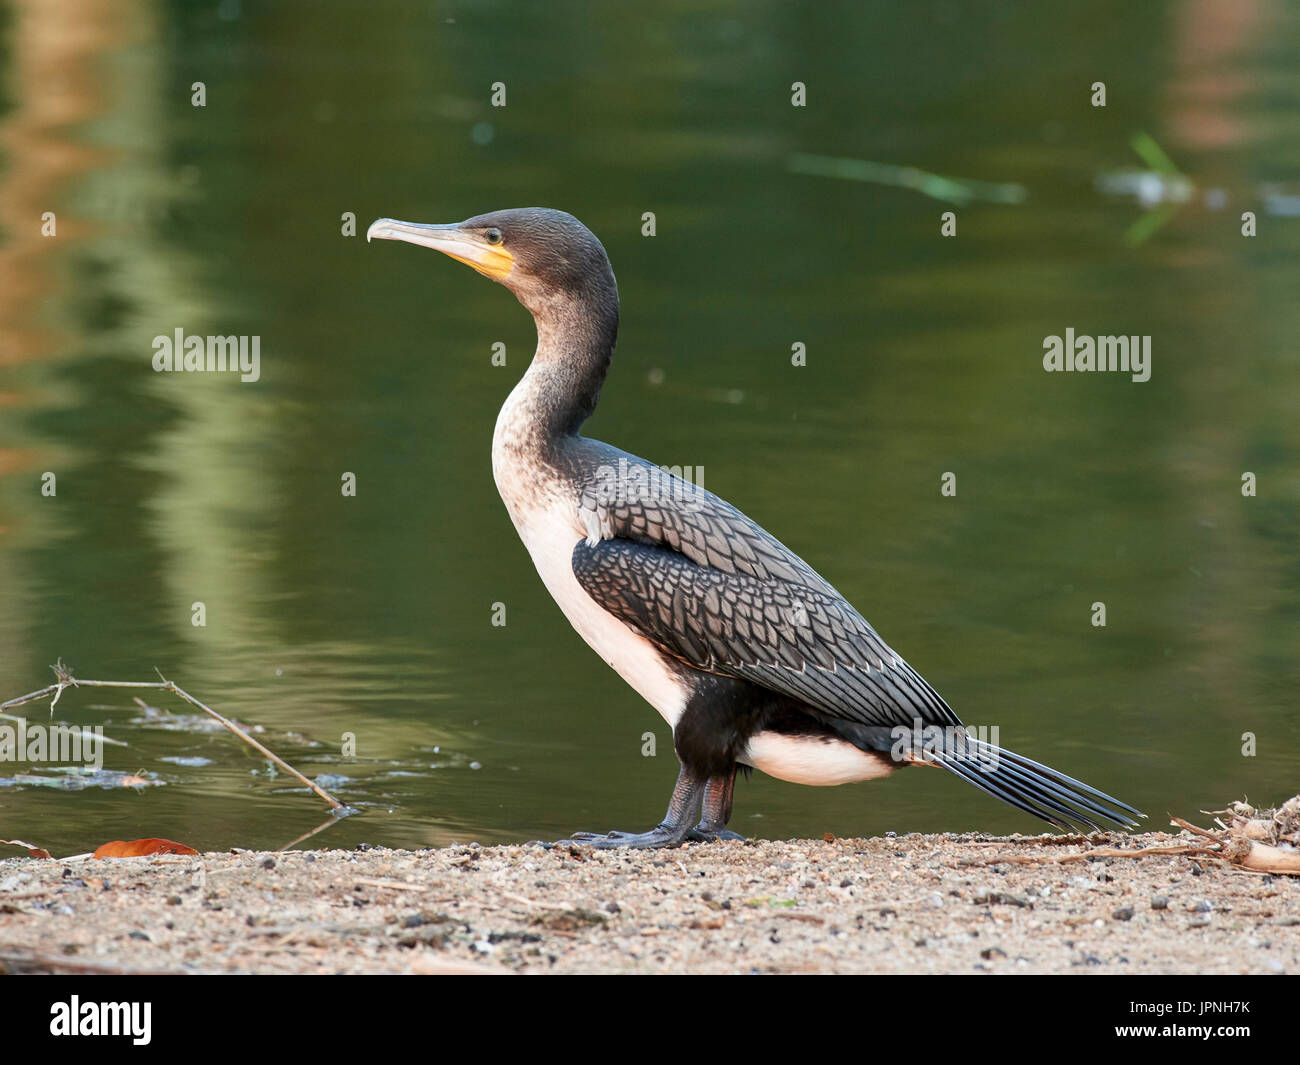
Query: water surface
{"x": 372, "y": 616}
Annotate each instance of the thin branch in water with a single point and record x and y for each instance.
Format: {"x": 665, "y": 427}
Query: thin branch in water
{"x": 308, "y": 835}
{"x": 67, "y": 680}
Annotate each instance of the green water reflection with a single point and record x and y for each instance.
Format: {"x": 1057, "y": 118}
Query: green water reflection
{"x": 371, "y": 615}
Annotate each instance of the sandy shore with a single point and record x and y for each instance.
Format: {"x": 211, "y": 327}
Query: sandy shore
{"x": 892, "y": 905}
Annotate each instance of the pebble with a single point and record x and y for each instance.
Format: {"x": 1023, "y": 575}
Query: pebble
{"x": 988, "y": 895}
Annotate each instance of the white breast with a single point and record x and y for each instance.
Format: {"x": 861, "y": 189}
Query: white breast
{"x": 545, "y": 513}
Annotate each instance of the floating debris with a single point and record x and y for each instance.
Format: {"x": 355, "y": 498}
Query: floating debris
{"x": 1281, "y": 201}
{"x": 1149, "y": 188}
{"x": 959, "y": 191}
{"x": 78, "y": 778}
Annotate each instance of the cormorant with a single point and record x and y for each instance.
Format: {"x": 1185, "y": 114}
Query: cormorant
{"x": 750, "y": 656}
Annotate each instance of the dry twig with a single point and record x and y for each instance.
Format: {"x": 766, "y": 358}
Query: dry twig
{"x": 65, "y": 679}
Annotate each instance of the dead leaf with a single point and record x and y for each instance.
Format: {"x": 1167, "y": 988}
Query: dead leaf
{"x": 138, "y": 848}
{"x": 35, "y": 852}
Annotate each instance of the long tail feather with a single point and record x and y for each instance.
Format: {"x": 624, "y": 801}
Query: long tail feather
{"x": 1036, "y": 789}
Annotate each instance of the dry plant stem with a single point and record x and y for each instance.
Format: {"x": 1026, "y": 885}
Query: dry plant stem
{"x": 1188, "y": 826}
{"x": 1261, "y": 857}
{"x": 66, "y": 680}
{"x": 1232, "y": 845}
{"x": 1248, "y": 853}
{"x": 1100, "y": 852}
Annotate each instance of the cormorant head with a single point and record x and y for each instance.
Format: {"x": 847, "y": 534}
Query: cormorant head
{"x": 539, "y": 254}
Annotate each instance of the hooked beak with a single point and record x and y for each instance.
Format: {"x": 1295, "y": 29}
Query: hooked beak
{"x": 490, "y": 260}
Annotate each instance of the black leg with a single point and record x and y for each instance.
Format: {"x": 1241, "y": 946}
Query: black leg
{"x": 716, "y": 812}
{"x": 675, "y": 828}
{"x": 670, "y": 832}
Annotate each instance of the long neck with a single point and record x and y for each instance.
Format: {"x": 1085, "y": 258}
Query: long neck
{"x": 576, "y": 331}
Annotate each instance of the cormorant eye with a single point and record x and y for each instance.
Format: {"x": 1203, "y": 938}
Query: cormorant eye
{"x": 493, "y": 236}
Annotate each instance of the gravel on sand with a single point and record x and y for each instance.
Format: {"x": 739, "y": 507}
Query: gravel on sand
{"x": 916, "y": 903}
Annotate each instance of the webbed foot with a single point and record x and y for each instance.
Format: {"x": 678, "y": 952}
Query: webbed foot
{"x": 660, "y": 836}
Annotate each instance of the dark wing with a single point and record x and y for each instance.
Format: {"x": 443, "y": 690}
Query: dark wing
{"x": 713, "y": 589}
{"x": 662, "y": 510}
{"x": 801, "y": 640}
